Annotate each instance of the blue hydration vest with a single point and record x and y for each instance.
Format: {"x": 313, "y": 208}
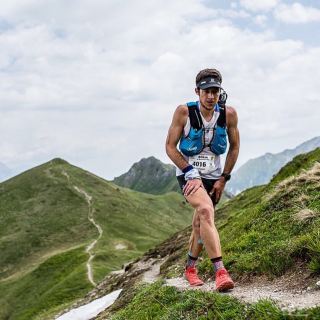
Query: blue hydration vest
{"x": 193, "y": 143}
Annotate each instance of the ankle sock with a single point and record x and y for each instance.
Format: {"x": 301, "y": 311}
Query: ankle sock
{"x": 191, "y": 261}
{"x": 217, "y": 263}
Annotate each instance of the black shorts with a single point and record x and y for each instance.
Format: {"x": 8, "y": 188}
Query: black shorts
{"x": 207, "y": 183}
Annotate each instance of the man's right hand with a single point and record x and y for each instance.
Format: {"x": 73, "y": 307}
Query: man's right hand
{"x": 192, "y": 186}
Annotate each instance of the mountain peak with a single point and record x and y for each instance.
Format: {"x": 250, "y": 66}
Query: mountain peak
{"x": 149, "y": 175}
{"x": 57, "y": 161}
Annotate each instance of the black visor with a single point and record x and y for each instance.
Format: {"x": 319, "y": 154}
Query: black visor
{"x": 209, "y": 82}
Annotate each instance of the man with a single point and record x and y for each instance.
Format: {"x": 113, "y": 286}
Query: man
{"x": 201, "y": 128}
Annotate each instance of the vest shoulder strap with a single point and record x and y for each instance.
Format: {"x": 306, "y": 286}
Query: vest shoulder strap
{"x": 194, "y": 115}
{"x": 222, "y": 122}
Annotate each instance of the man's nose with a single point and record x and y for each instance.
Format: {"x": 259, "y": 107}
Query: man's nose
{"x": 211, "y": 95}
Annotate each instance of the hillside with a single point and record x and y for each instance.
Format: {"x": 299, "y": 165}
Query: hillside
{"x": 149, "y": 175}
{"x": 260, "y": 170}
{"x": 50, "y": 215}
{"x": 269, "y": 235}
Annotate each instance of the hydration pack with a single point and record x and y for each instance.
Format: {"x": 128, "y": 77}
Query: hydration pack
{"x": 193, "y": 143}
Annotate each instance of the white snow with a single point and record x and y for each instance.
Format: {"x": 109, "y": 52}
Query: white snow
{"x": 91, "y": 309}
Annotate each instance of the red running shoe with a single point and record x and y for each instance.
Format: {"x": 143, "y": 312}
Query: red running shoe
{"x": 223, "y": 280}
{"x": 191, "y": 275}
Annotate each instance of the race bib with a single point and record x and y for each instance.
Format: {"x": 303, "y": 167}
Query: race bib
{"x": 204, "y": 163}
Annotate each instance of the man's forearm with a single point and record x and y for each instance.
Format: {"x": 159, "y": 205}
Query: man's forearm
{"x": 177, "y": 158}
{"x": 231, "y": 159}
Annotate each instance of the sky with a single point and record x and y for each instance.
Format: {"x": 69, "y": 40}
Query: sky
{"x": 96, "y": 82}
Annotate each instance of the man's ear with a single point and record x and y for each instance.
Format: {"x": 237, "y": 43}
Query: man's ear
{"x": 197, "y": 91}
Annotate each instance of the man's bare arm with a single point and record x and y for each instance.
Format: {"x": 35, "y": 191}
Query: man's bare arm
{"x": 232, "y": 156}
{"x": 234, "y": 139}
{"x": 174, "y": 134}
{"x": 175, "y": 131}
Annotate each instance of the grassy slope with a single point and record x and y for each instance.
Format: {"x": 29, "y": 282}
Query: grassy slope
{"x": 262, "y": 232}
{"x": 44, "y": 229}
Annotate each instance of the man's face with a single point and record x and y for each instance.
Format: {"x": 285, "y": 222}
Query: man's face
{"x": 208, "y": 97}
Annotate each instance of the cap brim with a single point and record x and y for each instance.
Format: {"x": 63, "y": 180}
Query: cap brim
{"x": 209, "y": 85}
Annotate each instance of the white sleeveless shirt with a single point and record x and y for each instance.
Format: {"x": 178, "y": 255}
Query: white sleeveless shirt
{"x": 208, "y": 134}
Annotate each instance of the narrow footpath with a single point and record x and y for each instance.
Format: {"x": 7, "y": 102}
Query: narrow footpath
{"x": 91, "y": 246}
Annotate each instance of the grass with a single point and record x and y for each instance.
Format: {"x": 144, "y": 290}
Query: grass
{"x": 43, "y": 217}
{"x": 60, "y": 278}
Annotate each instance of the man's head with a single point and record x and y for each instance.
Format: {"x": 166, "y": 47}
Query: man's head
{"x": 208, "y": 78}
{"x": 208, "y": 85}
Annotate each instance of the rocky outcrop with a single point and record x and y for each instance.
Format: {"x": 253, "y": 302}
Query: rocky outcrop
{"x": 149, "y": 175}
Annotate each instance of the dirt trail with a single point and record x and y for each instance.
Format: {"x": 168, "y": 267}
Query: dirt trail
{"x": 286, "y": 299}
{"x": 90, "y": 247}
{"x": 284, "y": 291}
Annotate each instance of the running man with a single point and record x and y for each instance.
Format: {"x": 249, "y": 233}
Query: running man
{"x": 202, "y": 128}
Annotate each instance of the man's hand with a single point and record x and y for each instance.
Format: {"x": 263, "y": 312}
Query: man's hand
{"x": 217, "y": 189}
{"x": 192, "y": 186}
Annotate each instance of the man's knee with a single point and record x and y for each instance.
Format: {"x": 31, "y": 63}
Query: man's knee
{"x": 205, "y": 213}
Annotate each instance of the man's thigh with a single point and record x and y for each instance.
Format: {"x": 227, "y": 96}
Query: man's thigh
{"x": 199, "y": 198}
{"x": 208, "y": 185}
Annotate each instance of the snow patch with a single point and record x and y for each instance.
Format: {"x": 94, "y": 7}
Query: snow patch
{"x": 92, "y": 309}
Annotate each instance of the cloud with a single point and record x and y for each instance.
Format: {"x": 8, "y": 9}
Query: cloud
{"x": 260, "y": 20}
{"x": 296, "y": 13}
{"x": 262, "y": 5}
{"x": 97, "y": 82}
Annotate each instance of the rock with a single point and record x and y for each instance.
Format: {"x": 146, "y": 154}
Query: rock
{"x": 318, "y": 284}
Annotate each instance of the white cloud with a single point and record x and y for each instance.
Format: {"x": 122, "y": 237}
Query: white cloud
{"x": 97, "y": 82}
{"x": 297, "y": 13}
{"x": 261, "y": 5}
{"x": 260, "y": 20}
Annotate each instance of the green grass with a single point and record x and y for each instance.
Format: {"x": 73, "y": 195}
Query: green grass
{"x": 42, "y": 217}
{"x": 60, "y": 279}
{"x": 152, "y": 302}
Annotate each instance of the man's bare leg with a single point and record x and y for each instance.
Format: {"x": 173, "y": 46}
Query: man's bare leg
{"x": 195, "y": 242}
{"x": 203, "y": 224}
{"x": 203, "y": 227}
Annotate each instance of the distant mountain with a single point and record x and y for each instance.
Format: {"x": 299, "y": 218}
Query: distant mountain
{"x": 5, "y": 172}
{"x": 149, "y": 175}
{"x": 260, "y": 170}
{"x": 50, "y": 217}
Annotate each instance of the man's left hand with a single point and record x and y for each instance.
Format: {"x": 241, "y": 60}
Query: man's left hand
{"x": 217, "y": 189}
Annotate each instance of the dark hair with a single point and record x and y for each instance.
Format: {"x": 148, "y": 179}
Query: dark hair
{"x": 214, "y": 73}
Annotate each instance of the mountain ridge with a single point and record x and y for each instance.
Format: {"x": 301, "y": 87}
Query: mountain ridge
{"x": 259, "y": 171}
